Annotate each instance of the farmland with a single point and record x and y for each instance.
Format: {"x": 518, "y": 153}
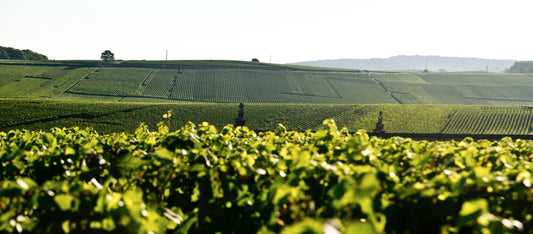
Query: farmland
{"x": 459, "y": 88}
{"x": 136, "y": 146}
{"x": 117, "y": 96}
{"x": 491, "y": 120}
{"x": 108, "y": 117}
{"x": 248, "y": 82}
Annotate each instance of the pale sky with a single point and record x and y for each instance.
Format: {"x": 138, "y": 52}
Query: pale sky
{"x": 280, "y": 31}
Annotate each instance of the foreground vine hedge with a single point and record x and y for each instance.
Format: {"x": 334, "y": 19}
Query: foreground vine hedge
{"x": 203, "y": 180}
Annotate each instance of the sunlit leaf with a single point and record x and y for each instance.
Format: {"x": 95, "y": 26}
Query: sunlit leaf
{"x": 64, "y": 201}
{"x": 306, "y": 226}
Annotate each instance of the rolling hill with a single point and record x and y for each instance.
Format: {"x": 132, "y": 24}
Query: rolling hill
{"x": 120, "y": 95}
{"x": 417, "y": 63}
{"x": 251, "y": 82}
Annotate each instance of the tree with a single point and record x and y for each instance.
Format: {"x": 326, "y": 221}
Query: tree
{"x": 521, "y": 67}
{"x": 107, "y": 56}
{"x": 255, "y": 60}
{"x": 12, "y": 53}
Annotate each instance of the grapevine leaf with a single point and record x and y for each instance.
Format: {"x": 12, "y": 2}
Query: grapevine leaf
{"x": 64, "y": 201}
{"x": 306, "y": 226}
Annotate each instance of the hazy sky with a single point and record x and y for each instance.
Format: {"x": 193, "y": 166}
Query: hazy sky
{"x": 282, "y": 31}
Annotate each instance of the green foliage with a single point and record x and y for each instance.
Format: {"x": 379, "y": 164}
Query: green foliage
{"x": 12, "y": 53}
{"x": 107, "y": 56}
{"x": 521, "y": 67}
{"x": 200, "y": 179}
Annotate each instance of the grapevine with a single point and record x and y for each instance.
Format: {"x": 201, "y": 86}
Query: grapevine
{"x": 200, "y": 179}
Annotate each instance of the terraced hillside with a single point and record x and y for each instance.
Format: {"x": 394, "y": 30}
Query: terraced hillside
{"x": 248, "y": 82}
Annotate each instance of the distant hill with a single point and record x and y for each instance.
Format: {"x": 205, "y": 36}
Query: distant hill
{"x": 417, "y": 63}
{"x": 16, "y": 54}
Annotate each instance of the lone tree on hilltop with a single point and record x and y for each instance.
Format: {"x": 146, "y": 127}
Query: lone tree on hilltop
{"x": 107, "y": 56}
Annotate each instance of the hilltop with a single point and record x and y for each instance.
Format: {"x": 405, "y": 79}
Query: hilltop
{"x": 417, "y": 63}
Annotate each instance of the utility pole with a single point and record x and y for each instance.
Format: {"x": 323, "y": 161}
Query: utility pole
{"x": 166, "y": 56}
{"x": 426, "y": 69}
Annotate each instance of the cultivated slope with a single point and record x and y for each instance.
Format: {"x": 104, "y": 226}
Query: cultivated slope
{"x": 235, "y": 81}
{"x": 108, "y": 117}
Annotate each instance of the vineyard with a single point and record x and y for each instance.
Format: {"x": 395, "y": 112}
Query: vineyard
{"x": 200, "y": 179}
{"x": 492, "y": 120}
{"x": 109, "y": 117}
{"x": 83, "y": 149}
{"x": 458, "y": 88}
{"x": 239, "y": 81}
{"x": 112, "y": 82}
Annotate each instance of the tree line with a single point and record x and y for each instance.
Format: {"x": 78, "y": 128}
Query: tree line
{"x": 12, "y": 53}
{"x": 521, "y": 67}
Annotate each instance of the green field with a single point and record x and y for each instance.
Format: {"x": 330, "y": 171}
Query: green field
{"x": 491, "y": 120}
{"x": 106, "y": 156}
{"x": 248, "y": 82}
{"x": 460, "y": 88}
{"x": 108, "y": 117}
{"x": 120, "y": 95}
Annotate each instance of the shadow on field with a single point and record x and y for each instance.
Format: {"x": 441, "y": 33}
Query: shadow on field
{"x": 83, "y": 116}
